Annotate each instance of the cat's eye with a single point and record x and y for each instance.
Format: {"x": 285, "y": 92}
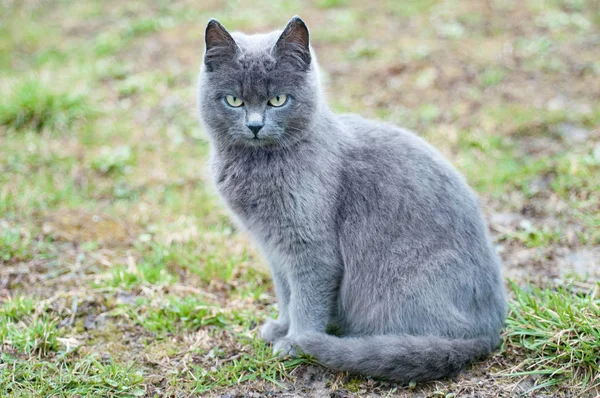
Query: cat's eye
{"x": 278, "y": 100}
{"x": 234, "y": 101}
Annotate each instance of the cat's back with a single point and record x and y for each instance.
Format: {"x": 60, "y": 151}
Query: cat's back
{"x": 382, "y": 147}
{"x": 391, "y": 172}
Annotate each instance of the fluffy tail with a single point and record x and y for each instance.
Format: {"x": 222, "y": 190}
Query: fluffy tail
{"x": 401, "y": 358}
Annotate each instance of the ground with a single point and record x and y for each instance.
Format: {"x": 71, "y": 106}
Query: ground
{"x": 120, "y": 271}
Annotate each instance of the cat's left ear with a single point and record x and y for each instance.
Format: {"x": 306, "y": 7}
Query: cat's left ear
{"x": 220, "y": 46}
{"x": 293, "y": 44}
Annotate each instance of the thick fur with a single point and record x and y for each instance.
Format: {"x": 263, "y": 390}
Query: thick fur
{"x": 367, "y": 228}
{"x": 401, "y": 358}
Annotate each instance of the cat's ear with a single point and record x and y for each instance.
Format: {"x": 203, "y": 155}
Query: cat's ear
{"x": 293, "y": 44}
{"x": 220, "y": 46}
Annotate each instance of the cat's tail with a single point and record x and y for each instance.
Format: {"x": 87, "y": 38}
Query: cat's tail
{"x": 401, "y": 358}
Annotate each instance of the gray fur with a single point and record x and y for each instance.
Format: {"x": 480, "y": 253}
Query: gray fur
{"x": 366, "y": 227}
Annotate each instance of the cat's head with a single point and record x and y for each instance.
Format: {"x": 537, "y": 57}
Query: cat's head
{"x": 258, "y": 90}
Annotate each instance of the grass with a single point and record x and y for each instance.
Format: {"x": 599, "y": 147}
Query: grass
{"x": 573, "y": 177}
{"x": 172, "y": 313}
{"x": 259, "y": 365}
{"x": 26, "y": 330}
{"x": 534, "y": 237}
{"x": 411, "y": 7}
{"x": 88, "y": 376}
{"x": 113, "y": 160}
{"x": 14, "y": 244}
{"x": 32, "y": 103}
{"x": 559, "y": 330}
{"x": 331, "y": 3}
{"x": 145, "y": 274}
{"x": 120, "y": 271}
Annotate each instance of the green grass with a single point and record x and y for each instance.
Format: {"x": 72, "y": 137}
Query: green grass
{"x": 108, "y": 43}
{"x": 87, "y": 377}
{"x": 160, "y": 265}
{"x": 32, "y": 103}
{"x": 531, "y": 236}
{"x": 113, "y": 160}
{"x": 27, "y": 327}
{"x": 331, "y": 3}
{"x": 574, "y": 177}
{"x": 411, "y": 7}
{"x": 17, "y": 308}
{"x": 559, "y": 331}
{"x": 152, "y": 269}
{"x": 147, "y": 26}
{"x": 260, "y": 365}
{"x": 14, "y": 244}
{"x": 492, "y": 76}
{"x": 135, "y": 275}
{"x": 170, "y": 314}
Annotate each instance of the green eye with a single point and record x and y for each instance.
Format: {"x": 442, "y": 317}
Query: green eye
{"x": 234, "y": 101}
{"x": 278, "y": 100}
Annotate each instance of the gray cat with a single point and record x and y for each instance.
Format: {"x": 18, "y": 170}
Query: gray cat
{"x": 368, "y": 230}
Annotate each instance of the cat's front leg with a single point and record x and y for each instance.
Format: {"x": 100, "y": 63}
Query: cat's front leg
{"x": 273, "y": 330}
{"x": 313, "y": 287}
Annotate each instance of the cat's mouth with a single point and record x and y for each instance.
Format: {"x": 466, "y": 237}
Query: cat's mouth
{"x": 259, "y": 139}
{"x": 259, "y": 142}
{"x": 255, "y": 140}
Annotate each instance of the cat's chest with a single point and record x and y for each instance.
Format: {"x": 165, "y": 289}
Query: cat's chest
{"x": 264, "y": 188}
{"x": 280, "y": 203}
{"x": 257, "y": 191}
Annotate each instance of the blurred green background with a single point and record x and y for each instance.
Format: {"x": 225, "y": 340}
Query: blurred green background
{"x": 120, "y": 272}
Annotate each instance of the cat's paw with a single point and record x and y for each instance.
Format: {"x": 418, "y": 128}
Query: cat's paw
{"x": 272, "y": 331}
{"x": 286, "y": 347}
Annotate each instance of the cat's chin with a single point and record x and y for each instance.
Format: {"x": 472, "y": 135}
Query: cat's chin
{"x": 257, "y": 142}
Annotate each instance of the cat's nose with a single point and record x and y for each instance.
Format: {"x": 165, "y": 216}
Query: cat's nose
{"x": 255, "y": 128}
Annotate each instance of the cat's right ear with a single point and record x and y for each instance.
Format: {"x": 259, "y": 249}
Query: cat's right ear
{"x": 220, "y": 46}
